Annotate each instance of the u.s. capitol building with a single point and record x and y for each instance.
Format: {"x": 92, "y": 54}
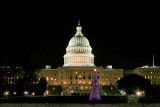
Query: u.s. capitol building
{"x": 75, "y": 76}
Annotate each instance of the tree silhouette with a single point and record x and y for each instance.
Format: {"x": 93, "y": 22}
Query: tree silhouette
{"x": 20, "y": 87}
{"x": 133, "y": 83}
{"x": 42, "y": 86}
{"x": 1, "y": 86}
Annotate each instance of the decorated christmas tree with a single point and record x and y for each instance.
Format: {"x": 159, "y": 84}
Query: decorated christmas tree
{"x": 95, "y": 95}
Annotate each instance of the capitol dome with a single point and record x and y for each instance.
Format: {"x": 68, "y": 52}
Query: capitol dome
{"x": 78, "y": 51}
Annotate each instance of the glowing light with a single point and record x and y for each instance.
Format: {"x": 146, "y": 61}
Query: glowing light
{"x": 89, "y": 82}
{"x": 95, "y": 69}
{"x": 76, "y": 72}
{"x": 6, "y": 93}
{"x": 33, "y": 94}
{"x": 71, "y": 91}
{"x": 47, "y": 78}
{"x": 14, "y": 93}
{"x": 46, "y": 93}
{"x": 122, "y": 92}
{"x": 25, "y": 92}
{"x": 81, "y": 88}
{"x": 138, "y": 93}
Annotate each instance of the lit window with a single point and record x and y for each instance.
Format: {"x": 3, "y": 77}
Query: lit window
{"x": 51, "y": 79}
{"x": 80, "y": 77}
{"x": 55, "y": 79}
{"x": 47, "y": 78}
{"x": 81, "y": 88}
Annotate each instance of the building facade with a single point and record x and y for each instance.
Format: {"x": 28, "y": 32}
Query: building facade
{"x": 152, "y": 73}
{"x": 76, "y": 75}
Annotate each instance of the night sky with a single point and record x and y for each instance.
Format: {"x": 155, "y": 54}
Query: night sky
{"x": 125, "y": 38}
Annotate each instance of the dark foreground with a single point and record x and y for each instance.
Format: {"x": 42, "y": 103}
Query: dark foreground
{"x": 63, "y": 99}
{"x": 78, "y": 105}
{"x": 76, "y": 99}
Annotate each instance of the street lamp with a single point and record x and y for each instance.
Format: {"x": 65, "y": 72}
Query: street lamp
{"x": 33, "y": 94}
{"x": 6, "y": 93}
{"x": 14, "y": 93}
{"x": 25, "y": 92}
{"x": 138, "y": 93}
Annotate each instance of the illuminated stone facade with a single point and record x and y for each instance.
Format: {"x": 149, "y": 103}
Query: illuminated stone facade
{"x": 151, "y": 73}
{"x": 77, "y": 80}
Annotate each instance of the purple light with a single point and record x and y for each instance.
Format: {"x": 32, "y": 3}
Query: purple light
{"x": 95, "y": 94}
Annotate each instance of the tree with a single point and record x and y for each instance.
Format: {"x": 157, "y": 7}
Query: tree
{"x": 55, "y": 90}
{"x": 20, "y": 86}
{"x": 42, "y": 86}
{"x": 133, "y": 83}
{"x": 111, "y": 90}
{"x": 95, "y": 94}
{"x": 1, "y": 86}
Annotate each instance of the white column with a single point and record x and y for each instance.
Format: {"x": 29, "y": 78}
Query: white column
{"x": 71, "y": 59}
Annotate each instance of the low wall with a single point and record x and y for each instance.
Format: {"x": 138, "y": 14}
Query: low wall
{"x": 79, "y": 105}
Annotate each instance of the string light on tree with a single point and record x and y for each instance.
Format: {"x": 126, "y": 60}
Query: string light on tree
{"x": 95, "y": 94}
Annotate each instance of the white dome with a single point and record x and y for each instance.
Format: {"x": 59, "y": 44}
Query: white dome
{"x": 79, "y": 40}
{"x": 79, "y": 51}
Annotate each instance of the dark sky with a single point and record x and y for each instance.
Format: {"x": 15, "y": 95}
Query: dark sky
{"x": 123, "y": 37}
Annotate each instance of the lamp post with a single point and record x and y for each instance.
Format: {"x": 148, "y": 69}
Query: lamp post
{"x": 6, "y": 93}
